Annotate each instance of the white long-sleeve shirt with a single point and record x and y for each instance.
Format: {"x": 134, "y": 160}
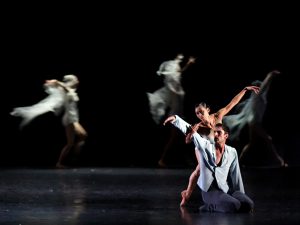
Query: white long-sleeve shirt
{"x": 227, "y": 175}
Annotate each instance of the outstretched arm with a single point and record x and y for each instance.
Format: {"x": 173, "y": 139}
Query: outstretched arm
{"x": 264, "y": 87}
{"x": 170, "y": 119}
{"x": 199, "y": 142}
{"x": 179, "y": 123}
{"x": 189, "y": 62}
{"x": 193, "y": 129}
{"x": 222, "y": 112}
{"x": 190, "y": 130}
{"x": 58, "y": 83}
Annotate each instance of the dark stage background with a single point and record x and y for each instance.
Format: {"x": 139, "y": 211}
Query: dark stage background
{"x": 116, "y": 58}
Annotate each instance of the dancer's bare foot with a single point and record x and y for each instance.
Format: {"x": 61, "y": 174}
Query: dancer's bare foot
{"x": 184, "y": 213}
{"x": 184, "y": 197}
{"x": 162, "y": 164}
{"x": 60, "y": 166}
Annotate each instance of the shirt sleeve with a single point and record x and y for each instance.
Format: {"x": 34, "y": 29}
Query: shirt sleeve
{"x": 235, "y": 175}
{"x": 184, "y": 127}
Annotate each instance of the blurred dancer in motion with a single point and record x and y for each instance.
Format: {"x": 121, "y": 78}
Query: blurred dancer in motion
{"x": 62, "y": 96}
{"x": 206, "y": 129}
{"x": 168, "y": 100}
{"x": 252, "y": 114}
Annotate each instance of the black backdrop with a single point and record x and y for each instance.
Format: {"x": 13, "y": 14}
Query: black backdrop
{"x": 116, "y": 56}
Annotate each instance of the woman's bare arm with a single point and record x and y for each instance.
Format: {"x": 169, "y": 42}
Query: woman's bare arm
{"x": 222, "y": 112}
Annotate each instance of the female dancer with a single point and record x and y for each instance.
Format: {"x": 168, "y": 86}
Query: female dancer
{"x": 62, "y": 96}
{"x": 251, "y": 114}
{"x": 169, "y": 99}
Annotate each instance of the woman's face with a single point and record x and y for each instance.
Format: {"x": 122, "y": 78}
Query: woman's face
{"x": 202, "y": 113}
{"x": 70, "y": 81}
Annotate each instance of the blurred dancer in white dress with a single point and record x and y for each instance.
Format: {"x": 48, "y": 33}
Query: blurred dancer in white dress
{"x": 168, "y": 100}
{"x": 252, "y": 114}
{"x": 62, "y": 96}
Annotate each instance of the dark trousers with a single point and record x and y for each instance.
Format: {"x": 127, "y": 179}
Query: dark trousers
{"x": 217, "y": 201}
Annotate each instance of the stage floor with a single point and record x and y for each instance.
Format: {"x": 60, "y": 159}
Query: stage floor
{"x": 138, "y": 196}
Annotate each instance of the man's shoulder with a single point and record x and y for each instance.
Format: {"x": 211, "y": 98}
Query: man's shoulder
{"x": 230, "y": 148}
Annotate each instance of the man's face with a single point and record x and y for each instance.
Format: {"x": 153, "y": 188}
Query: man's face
{"x": 220, "y": 135}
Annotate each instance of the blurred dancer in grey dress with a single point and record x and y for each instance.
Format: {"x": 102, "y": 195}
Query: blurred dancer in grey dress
{"x": 168, "y": 100}
{"x": 252, "y": 114}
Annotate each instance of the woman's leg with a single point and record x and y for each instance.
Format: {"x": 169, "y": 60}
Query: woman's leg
{"x": 70, "y": 135}
{"x": 168, "y": 146}
{"x": 81, "y": 136}
{"x": 186, "y": 194}
{"x": 260, "y": 131}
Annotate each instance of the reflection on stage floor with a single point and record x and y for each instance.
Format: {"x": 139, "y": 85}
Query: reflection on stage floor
{"x": 137, "y": 196}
